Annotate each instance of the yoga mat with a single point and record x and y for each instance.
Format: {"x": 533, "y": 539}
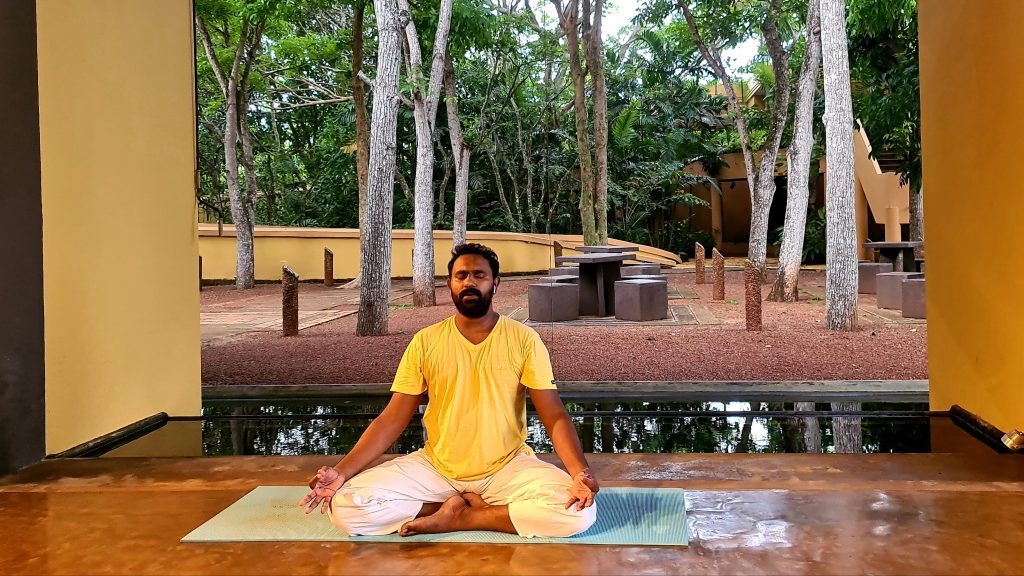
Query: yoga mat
{"x": 625, "y": 517}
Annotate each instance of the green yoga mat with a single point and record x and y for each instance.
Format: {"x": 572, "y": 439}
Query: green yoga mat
{"x": 625, "y": 516}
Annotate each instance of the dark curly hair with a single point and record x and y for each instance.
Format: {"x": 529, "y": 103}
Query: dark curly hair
{"x": 479, "y": 250}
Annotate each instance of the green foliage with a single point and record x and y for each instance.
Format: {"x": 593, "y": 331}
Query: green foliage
{"x": 514, "y": 97}
{"x": 884, "y": 73}
{"x": 814, "y": 237}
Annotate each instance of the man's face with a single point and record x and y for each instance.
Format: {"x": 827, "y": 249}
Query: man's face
{"x": 472, "y": 285}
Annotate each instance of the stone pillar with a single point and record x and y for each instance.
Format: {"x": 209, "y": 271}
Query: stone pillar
{"x": 289, "y": 302}
{"x": 717, "y": 275}
{"x": 716, "y": 217}
{"x": 752, "y": 283}
{"x": 698, "y": 260}
{"x": 557, "y": 247}
{"x": 328, "y": 267}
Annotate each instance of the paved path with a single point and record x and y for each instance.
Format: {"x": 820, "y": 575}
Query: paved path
{"x": 224, "y": 321}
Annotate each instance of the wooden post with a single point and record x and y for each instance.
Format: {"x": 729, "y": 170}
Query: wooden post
{"x": 200, "y": 273}
{"x": 289, "y": 302}
{"x": 718, "y": 275}
{"x": 328, "y": 267}
{"x": 752, "y": 281}
{"x": 698, "y": 259}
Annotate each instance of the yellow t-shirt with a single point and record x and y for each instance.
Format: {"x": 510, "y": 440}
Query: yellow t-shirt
{"x": 476, "y": 413}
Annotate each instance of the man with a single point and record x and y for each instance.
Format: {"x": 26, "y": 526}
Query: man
{"x": 475, "y": 471}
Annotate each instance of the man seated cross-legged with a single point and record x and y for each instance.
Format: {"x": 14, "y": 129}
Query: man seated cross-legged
{"x": 475, "y": 472}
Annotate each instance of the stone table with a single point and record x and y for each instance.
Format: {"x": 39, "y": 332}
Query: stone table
{"x": 598, "y": 274}
{"x": 607, "y": 249}
{"x": 890, "y": 251}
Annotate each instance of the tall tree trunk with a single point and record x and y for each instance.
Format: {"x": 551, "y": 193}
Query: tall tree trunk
{"x": 362, "y": 121}
{"x": 375, "y": 257}
{"x": 917, "y": 214}
{"x": 798, "y": 158}
{"x": 760, "y": 178}
{"x": 841, "y": 219}
{"x": 812, "y": 429}
{"x": 248, "y": 156}
{"x": 846, "y": 430}
{"x": 764, "y": 190}
{"x": 461, "y": 153}
{"x": 569, "y": 19}
{"x": 240, "y": 214}
{"x": 424, "y": 113}
{"x": 599, "y": 93}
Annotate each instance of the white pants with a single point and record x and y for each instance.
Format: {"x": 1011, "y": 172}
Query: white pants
{"x": 380, "y": 499}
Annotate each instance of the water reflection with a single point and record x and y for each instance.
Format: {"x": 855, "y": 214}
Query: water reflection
{"x": 634, "y": 427}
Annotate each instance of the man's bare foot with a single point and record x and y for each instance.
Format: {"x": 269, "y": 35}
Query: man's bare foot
{"x": 444, "y": 520}
{"x": 475, "y": 500}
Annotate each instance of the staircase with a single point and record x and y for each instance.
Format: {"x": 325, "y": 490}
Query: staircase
{"x": 887, "y": 162}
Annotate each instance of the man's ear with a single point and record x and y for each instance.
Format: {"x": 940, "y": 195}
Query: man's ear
{"x": 497, "y": 281}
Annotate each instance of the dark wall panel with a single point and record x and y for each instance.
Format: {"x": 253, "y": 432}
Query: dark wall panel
{"x": 22, "y": 387}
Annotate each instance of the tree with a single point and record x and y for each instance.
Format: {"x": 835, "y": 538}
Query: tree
{"x": 425, "y": 99}
{"x": 362, "y": 120}
{"x": 798, "y": 158}
{"x": 461, "y": 152}
{"x": 568, "y": 19}
{"x": 760, "y": 176}
{"x": 594, "y": 51}
{"x": 239, "y": 35}
{"x": 841, "y": 220}
{"x": 884, "y": 71}
{"x": 375, "y": 258}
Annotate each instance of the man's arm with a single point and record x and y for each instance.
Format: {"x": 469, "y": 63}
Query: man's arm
{"x": 380, "y": 434}
{"x": 567, "y": 445}
{"x": 374, "y": 441}
{"x": 563, "y": 434}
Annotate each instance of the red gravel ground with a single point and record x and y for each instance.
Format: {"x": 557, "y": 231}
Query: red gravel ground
{"x": 793, "y": 346}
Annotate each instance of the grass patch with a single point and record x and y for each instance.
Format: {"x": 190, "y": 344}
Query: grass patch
{"x": 402, "y": 306}
{"x": 732, "y": 301}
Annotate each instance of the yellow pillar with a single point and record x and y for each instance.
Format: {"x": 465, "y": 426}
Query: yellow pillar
{"x": 974, "y": 327}
{"x": 716, "y": 217}
{"x": 892, "y": 224}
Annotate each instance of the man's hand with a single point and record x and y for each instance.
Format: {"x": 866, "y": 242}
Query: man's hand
{"x": 323, "y": 487}
{"x": 581, "y": 493}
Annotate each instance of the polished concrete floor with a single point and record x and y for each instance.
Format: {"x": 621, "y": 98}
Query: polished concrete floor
{"x": 957, "y": 512}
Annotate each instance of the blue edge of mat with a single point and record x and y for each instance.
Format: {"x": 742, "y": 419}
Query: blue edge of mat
{"x": 625, "y": 517}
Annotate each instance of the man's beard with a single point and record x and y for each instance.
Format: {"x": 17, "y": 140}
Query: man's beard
{"x": 474, "y": 308}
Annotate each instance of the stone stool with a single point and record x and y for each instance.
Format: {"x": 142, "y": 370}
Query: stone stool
{"x": 866, "y": 272}
{"x": 641, "y": 300}
{"x": 913, "y": 298}
{"x": 640, "y": 269}
{"x": 554, "y": 302}
{"x": 658, "y": 277}
{"x": 890, "y": 288}
{"x": 564, "y": 270}
{"x": 563, "y": 279}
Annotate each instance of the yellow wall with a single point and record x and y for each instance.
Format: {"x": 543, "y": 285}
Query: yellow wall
{"x": 117, "y": 137}
{"x": 303, "y": 250}
{"x": 888, "y": 200}
{"x": 975, "y": 334}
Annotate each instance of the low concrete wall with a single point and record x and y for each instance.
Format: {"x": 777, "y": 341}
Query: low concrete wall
{"x": 303, "y": 250}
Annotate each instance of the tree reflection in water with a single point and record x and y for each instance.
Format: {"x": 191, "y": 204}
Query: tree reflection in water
{"x": 333, "y": 429}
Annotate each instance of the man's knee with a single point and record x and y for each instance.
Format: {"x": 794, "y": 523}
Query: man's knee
{"x": 547, "y": 517}
{"x": 368, "y": 512}
{"x": 573, "y": 522}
